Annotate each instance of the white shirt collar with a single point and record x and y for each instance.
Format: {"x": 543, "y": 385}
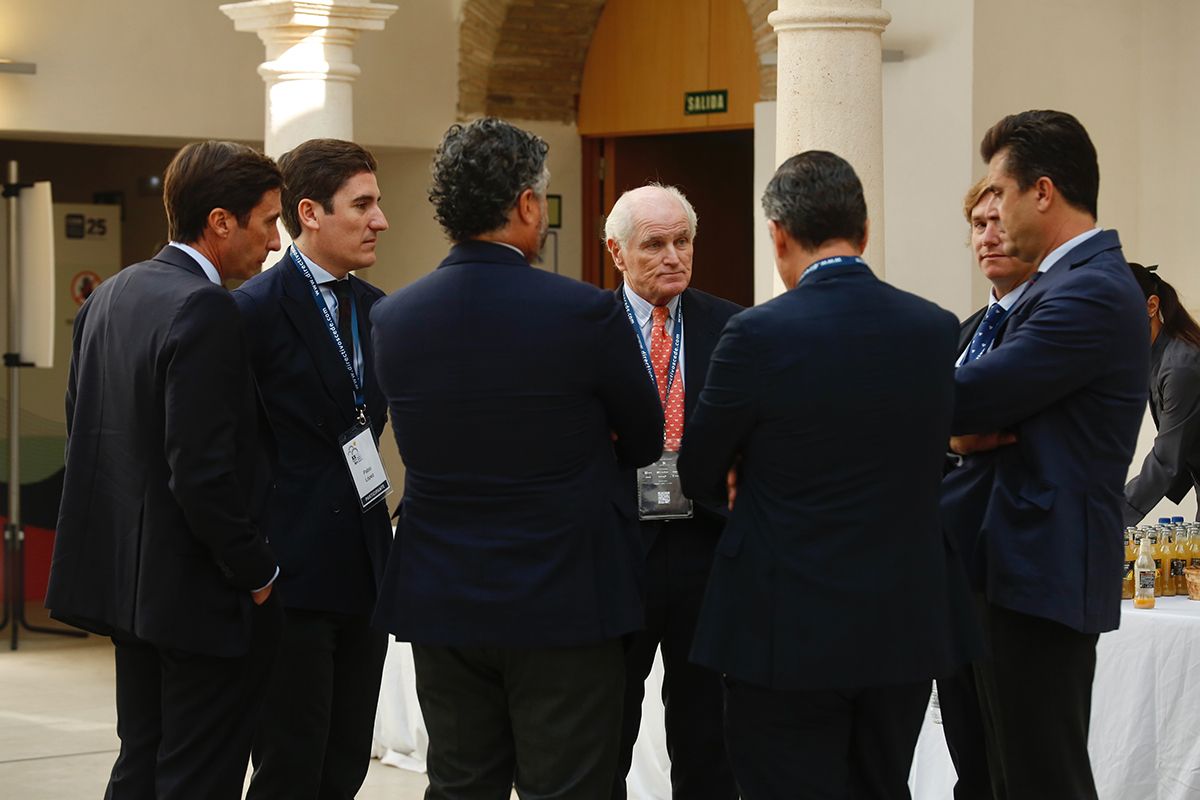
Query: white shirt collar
{"x": 642, "y": 308}
{"x": 514, "y": 248}
{"x": 200, "y": 259}
{"x": 1060, "y": 251}
{"x": 319, "y": 275}
{"x": 1010, "y": 299}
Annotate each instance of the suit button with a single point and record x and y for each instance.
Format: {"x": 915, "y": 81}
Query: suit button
{"x": 337, "y": 510}
{"x": 320, "y": 423}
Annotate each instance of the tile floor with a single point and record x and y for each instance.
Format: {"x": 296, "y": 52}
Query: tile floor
{"x": 57, "y": 722}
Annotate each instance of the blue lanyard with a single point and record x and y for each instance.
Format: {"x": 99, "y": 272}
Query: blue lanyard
{"x": 836, "y": 261}
{"x": 331, "y": 325}
{"x": 676, "y": 343}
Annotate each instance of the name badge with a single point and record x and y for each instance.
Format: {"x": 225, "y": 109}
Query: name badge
{"x": 660, "y": 493}
{"x": 365, "y": 465}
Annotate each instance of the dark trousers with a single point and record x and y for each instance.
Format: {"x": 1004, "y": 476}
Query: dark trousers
{"x": 1035, "y": 692}
{"x": 962, "y": 723}
{"x": 546, "y": 720}
{"x": 185, "y": 720}
{"x": 314, "y": 738}
{"x": 677, "y": 568}
{"x": 823, "y": 745}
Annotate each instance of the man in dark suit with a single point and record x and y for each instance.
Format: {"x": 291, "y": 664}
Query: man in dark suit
{"x": 157, "y": 544}
{"x": 967, "y": 484}
{"x": 650, "y": 232}
{"x": 1065, "y": 378}
{"x": 830, "y": 605}
{"x": 517, "y": 396}
{"x": 314, "y": 740}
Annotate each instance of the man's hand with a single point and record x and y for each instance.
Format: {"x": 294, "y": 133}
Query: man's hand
{"x": 981, "y": 442}
{"x": 260, "y": 596}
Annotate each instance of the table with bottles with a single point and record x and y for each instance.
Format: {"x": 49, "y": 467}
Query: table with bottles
{"x": 1145, "y": 731}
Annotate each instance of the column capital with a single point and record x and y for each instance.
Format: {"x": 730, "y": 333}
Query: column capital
{"x": 842, "y": 15}
{"x": 259, "y": 16}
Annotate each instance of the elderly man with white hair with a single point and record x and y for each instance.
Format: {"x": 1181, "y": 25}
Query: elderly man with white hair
{"x": 650, "y": 232}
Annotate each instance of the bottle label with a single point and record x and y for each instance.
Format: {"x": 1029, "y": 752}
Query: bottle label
{"x": 1177, "y": 565}
{"x": 1145, "y": 580}
{"x": 1128, "y": 569}
{"x": 1196, "y": 562}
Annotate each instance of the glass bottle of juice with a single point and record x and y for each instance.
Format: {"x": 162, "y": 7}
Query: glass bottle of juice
{"x": 1194, "y": 546}
{"x": 1179, "y": 561}
{"x": 1130, "y": 557}
{"x": 1156, "y": 537}
{"x": 1145, "y": 573}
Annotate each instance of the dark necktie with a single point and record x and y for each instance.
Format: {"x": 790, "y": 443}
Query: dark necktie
{"x": 985, "y": 334}
{"x": 341, "y": 290}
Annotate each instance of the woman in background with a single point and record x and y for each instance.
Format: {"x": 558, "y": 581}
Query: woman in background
{"x": 1173, "y": 465}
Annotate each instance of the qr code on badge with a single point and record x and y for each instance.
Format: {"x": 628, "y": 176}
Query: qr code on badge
{"x": 664, "y": 498}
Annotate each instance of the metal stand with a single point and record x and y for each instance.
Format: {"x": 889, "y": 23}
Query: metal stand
{"x": 14, "y": 534}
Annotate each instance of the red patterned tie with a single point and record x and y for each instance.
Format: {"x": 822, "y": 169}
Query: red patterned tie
{"x": 660, "y": 358}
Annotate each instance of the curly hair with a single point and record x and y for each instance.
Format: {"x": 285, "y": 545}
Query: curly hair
{"x": 479, "y": 171}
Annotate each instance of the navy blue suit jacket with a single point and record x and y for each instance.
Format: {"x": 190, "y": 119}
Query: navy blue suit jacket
{"x": 967, "y": 487}
{"x": 506, "y": 385}
{"x": 331, "y": 555}
{"x": 164, "y": 475}
{"x": 1068, "y": 375}
{"x": 833, "y": 571}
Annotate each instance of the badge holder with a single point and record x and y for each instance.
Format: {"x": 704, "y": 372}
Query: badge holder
{"x": 660, "y": 492}
{"x": 366, "y": 467}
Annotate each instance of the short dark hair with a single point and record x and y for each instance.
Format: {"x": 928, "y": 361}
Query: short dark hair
{"x": 207, "y": 175}
{"x": 816, "y": 197}
{"x": 479, "y": 171}
{"x": 315, "y": 170}
{"x": 1050, "y": 144}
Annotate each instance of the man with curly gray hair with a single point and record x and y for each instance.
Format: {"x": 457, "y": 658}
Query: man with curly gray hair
{"x": 517, "y": 398}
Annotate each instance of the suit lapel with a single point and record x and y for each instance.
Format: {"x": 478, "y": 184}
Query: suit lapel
{"x": 966, "y": 331}
{"x": 297, "y": 303}
{"x": 699, "y": 338}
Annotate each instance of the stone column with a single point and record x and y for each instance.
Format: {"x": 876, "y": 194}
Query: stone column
{"x": 830, "y": 91}
{"x": 310, "y": 67}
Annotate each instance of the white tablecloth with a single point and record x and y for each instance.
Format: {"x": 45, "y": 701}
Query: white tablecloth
{"x": 1145, "y": 733}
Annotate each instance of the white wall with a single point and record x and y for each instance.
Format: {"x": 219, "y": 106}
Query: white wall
{"x": 177, "y": 69}
{"x": 927, "y": 145}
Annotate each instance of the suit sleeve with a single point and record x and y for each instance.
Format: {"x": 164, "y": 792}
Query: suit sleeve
{"x": 1060, "y": 347}
{"x": 206, "y": 383}
{"x": 1178, "y": 433}
{"x": 629, "y": 396}
{"x": 724, "y": 416}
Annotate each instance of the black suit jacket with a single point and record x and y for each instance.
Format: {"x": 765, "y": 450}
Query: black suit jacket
{"x": 155, "y": 534}
{"x": 331, "y": 554}
{"x": 506, "y": 385}
{"x": 704, "y": 316}
{"x": 833, "y": 570}
{"x": 1172, "y": 468}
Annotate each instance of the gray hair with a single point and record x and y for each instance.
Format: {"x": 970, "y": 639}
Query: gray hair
{"x": 620, "y": 221}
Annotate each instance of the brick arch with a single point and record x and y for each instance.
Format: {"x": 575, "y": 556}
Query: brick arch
{"x": 523, "y": 59}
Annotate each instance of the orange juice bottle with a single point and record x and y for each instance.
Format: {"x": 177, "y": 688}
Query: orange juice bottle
{"x": 1130, "y": 557}
{"x": 1156, "y": 535}
{"x": 1145, "y": 573}
{"x": 1179, "y": 561}
{"x": 1194, "y": 546}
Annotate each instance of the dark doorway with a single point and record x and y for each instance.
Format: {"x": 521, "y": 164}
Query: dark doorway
{"x": 714, "y": 170}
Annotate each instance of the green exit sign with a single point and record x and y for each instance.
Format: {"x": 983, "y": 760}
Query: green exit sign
{"x": 714, "y": 102}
